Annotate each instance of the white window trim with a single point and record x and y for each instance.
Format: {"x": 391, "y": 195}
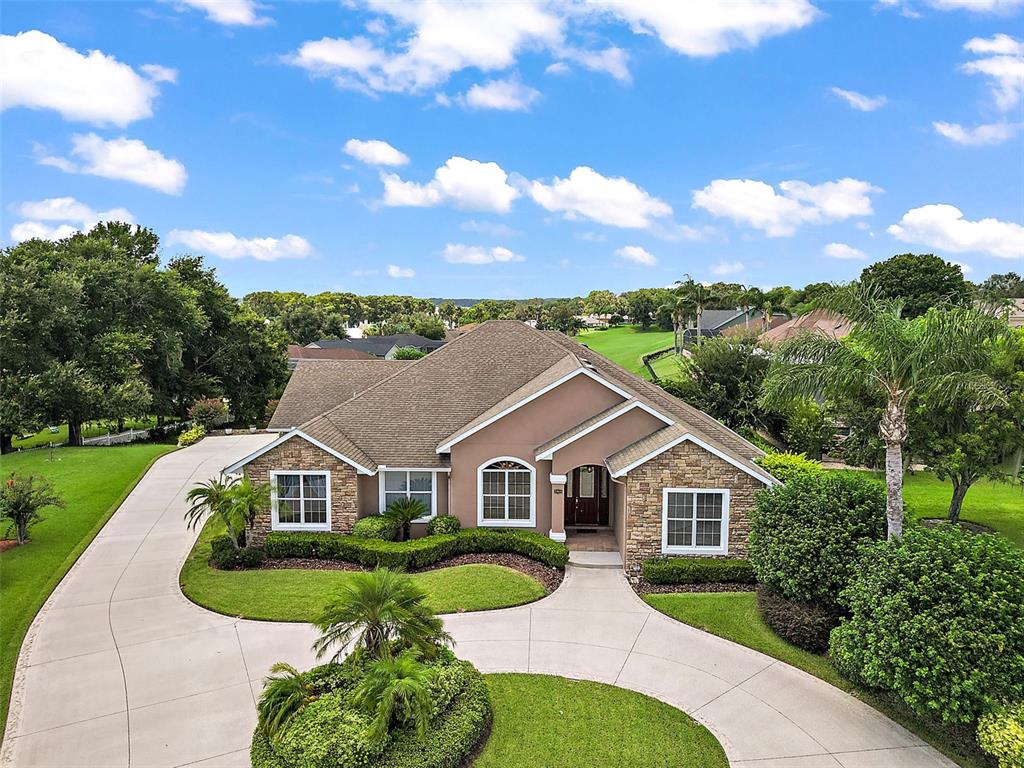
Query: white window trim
{"x": 677, "y": 550}
{"x": 506, "y": 523}
{"x": 275, "y": 525}
{"x": 382, "y": 505}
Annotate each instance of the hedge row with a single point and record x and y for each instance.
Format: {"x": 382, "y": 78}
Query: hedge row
{"x": 417, "y": 553}
{"x": 698, "y": 570}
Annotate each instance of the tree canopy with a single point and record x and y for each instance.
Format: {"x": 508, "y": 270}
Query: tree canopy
{"x": 919, "y": 281}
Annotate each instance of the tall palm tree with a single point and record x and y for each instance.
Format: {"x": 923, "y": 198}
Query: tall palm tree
{"x": 679, "y": 308}
{"x": 396, "y": 692}
{"x": 285, "y": 694}
{"x": 767, "y": 310}
{"x": 373, "y": 610}
{"x": 698, "y": 295}
{"x": 940, "y": 354}
{"x": 747, "y": 299}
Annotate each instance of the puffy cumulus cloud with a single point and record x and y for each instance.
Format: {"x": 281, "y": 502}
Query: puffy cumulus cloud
{"x": 375, "y": 152}
{"x": 125, "y": 159}
{"x": 230, "y": 13}
{"x": 843, "y": 251}
{"x": 727, "y": 268}
{"x": 586, "y": 194}
{"x": 858, "y": 100}
{"x": 400, "y": 272}
{"x": 944, "y": 228}
{"x": 43, "y": 217}
{"x": 227, "y": 245}
{"x": 637, "y": 255}
{"x": 506, "y": 95}
{"x": 757, "y": 204}
{"x": 463, "y": 183}
{"x": 998, "y": 43}
{"x": 456, "y": 253}
{"x": 40, "y": 72}
{"x": 979, "y": 135}
{"x": 1002, "y": 63}
{"x": 37, "y": 230}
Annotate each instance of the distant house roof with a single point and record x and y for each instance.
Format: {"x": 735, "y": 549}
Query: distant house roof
{"x": 299, "y": 352}
{"x": 817, "y": 321}
{"x": 379, "y": 346}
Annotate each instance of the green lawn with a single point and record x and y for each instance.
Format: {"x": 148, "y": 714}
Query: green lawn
{"x": 734, "y": 616}
{"x": 300, "y": 594}
{"x": 93, "y": 482}
{"x": 667, "y": 367}
{"x": 551, "y": 722}
{"x": 91, "y": 429}
{"x": 625, "y": 344}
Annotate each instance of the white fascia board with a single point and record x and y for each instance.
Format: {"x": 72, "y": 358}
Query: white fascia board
{"x": 550, "y": 452}
{"x": 287, "y": 436}
{"x": 766, "y": 479}
{"x": 446, "y": 447}
{"x": 389, "y": 468}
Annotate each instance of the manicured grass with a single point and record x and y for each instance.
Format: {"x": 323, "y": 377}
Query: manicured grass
{"x": 734, "y": 616}
{"x": 551, "y": 722}
{"x": 91, "y": 429}
{"x": 625, "y": 344}
{"x": 667, "y": 367}
{"x": 92, "y": 482}
{"x": 301, "y": 594}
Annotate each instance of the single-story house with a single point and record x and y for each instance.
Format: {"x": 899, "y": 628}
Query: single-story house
{"x": 381, "y": 346}
{"x": 819, "y": 320}
{"x": 508, "y": 426}
{"x": 298, "y": 352}
{"x": 718, "y": 322}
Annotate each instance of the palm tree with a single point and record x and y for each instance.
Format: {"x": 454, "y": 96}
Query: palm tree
{"x": 404, "y": 511}
{"x": 679, "y": 308}
{"x": 767, "y": 310}
{"x": 940, "y": 355}
{"x": 396, "y": 692}
{"x": 373, "y": 609}
{"x": 249, "y": 499}
{"x": 285, "y": 694}
{"x": 698, "y": 295}
{"x": 747, "y": 299}
{"x": 214, "y": 497}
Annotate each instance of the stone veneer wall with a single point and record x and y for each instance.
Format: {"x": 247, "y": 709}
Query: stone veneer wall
{"x": 685, "y": 466}
{"x": 300, "y": 454}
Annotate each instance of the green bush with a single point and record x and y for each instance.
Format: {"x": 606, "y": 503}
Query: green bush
{"x": 327, "y": 734}
{"x": 225, "y": 557}
{"x": 417, "y": 553}
{"x": 805, "y": 625}
{"x": 376, "y": 527}
{"x": 786, "y": 466}
{"x": 446, "y": 524}
{"x": 1001, "y": 734}
{"x": 191, "y": 436}
{"x": 698, "y": 570}
{"x": 805, "y": 535}
{"x": 206, "y": 412}
{"x": 937, "y": 618}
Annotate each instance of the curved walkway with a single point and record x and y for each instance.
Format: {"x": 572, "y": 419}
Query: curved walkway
{"x": 119, "y": 670}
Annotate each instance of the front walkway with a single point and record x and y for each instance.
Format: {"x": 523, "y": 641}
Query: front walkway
{"x": 120, "y": 670}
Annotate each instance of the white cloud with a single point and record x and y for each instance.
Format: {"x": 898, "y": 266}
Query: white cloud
{"x": 611, "y": 60}
{"x": 843, "y": 251}
{"x": 231, "y": 13}
{"x": 978, "y": 6}
{"x": 29, "y": 230}
{"x": 396, "y": 271}
{"x": 859, "y": 100}
{"x": 506, "y": 95}
{"x": 229, "y": 246}
{"x": 159, "y": 73}
{"x": 1002, "y": 64}
{"x": 638, "y": 255}
{"x": 727, "y": 268}
{"x": 999, "y": 43}
{"x": 979, "y": 135}
{"x": 456, "y": 253}
{"x": 375, "y": 152}
{"x": 464, "y": 183}
{"x": 126, "y": 159}
{"x": 40, "y": 72}
{"x": 557, "y": 68}
{"x": 965, "y": 268}
{"x": 615, "y": 201}
{"x": 494, "y": 229}
{"x": 74, "y": 215}
{"x": 944, "y": 227}
{"x": 757, "y": 204}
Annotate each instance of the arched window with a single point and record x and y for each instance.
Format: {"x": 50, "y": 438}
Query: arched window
{"x": 506, "y": 490}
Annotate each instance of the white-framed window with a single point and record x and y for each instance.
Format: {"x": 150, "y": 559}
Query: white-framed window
{"x": 695, "y": 521}
{"x": 506, "y": 493}
{"x": 409, "y": 484}
{"x": 300, "y": 500}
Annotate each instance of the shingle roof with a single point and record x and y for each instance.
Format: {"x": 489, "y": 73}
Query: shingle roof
{"x": 299, "y": 352}
{"x": 644, "y": 447}
{"x": 816, "y": 321}
{"x": 381, "y": 345}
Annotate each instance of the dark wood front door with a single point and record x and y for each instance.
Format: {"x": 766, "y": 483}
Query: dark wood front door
{"x": 586, "y": 496}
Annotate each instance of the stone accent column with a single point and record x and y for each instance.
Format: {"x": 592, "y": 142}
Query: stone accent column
{"x": 558, "y": 507}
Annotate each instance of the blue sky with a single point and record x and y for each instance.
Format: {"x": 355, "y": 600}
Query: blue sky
{"x": 522, "y": 149}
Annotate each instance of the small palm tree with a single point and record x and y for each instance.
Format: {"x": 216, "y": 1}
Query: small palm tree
{"x": 215, "y": 497}
{"x": 285, "y": 694}
{"x": 372, "y": 610}
{"x": 249, "y": 498}
{"x": 21, "y": 498}
{"x": 396, "y": 693}
{"x": 404, "y": 511}
{"x": 940, "y": 355}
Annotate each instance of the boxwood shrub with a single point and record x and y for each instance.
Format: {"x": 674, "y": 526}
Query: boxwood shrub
{"x": 376, "y": 527}
{"x": 937, "y": 618}
{"x": 698, "y": 570}
{"x": 417, "y": 553}
{"x": 225, "y": 557}
{"x": 444, "y": 524}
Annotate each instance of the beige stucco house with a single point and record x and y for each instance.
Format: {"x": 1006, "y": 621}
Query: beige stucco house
{"x": 508, "y": 426}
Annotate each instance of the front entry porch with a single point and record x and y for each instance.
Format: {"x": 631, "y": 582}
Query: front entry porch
{"x": 591, "y": 539}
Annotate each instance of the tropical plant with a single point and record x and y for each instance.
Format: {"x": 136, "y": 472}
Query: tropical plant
{"x": 941, "y": 354}
{"x": 680, "y": 309}
{"x": 395, "y": 693}
{"x": 285, "y": 693}
{"x": 403, "y": 511}
{"x": 235, "y": 502}
{"x": 750, "y": 297}
{"x": 375, "y": 609}
{"x": 21, "y": 499}
{"x": 698, "y": 295}
{"x": 249, "y": 498}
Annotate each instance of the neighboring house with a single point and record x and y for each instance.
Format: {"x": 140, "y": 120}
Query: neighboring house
{"x": 718, "y": 322}
{"x": 1016, "y": 317}
{"x": 381, "y": 346}
{"x": 508, "y": 426}
{"x": 297, "y": 352}
{"x": 594, "y": 321}
{"x": 817, "y": 320}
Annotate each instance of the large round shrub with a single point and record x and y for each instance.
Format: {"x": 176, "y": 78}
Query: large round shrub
{"x": 937, "y": 617}
{"x": 805, "y": 535}
{"x": 444, "y": 524}
{"x": 376, "y": 527}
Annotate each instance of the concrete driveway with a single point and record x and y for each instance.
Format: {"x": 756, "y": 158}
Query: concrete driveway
{"x": 119, "y": 669}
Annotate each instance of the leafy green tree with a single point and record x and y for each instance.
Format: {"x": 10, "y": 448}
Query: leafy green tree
{"x": 21, "y": 499}
{"x": 600, "y": 302}
{"x": 562, "y": 316}
{"x": 285, "y": 694}
{"x": 940, "y": 355}
{"x": 403, "y": 511}
{"x": 409, "y": 353}
{"x": 395, "y": 693}
{"x": 640, "y": 307}
{"x": 449, "y": 312}
{"x": 1005, "y": 286}
{"x": 808, "y": 428}
{"x": 919, "y": 281}
{"x": 303, "y": 322}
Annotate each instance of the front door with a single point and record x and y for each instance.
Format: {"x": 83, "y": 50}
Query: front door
{"x": 586, "y": 496}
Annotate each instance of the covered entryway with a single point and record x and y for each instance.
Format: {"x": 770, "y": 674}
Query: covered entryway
{"x": 587, "y": 496}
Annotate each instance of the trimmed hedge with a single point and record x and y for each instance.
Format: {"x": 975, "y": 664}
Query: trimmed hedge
{"x": 805, "y": 625}
{"x": 786, "y": 466}
{"x": 444, "y": 524}
{"x": 225, "y": 557}
{"x": 376, "y": 527}
{"x": 1001, "y": 734}
{"x": 417, "y": 553}
{"x": 698, "y": 570}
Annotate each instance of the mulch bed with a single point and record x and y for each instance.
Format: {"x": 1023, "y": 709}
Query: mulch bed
{"x": 646, "y": 588}
{"x": 7, "y": 544}
{"x": 938, "y": 522}
{"x": 549, "y": 577}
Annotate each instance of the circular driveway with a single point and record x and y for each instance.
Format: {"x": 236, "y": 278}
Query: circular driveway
{"x": 120, "y": 670}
